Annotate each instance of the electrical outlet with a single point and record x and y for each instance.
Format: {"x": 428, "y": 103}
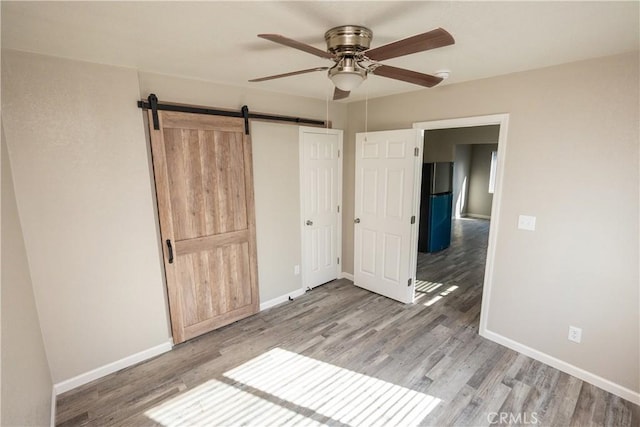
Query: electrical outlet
{"x": 296, "y": 269}
{"x": 575, "y": 334}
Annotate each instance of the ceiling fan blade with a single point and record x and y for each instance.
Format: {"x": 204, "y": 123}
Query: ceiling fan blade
{"x": 340, "y": 94}
{"x": 419, "y": 43}
{"x": 277, "y": 38}
{"x": 293, "y": 73}
{"x": 407, "y": 75}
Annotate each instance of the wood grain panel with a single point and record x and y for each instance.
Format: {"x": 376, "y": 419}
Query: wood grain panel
{"x": 208, "y": 197}
{"x": 202, "y": 243}
{"x": 174, "y": 119}
{"x": 251, "y": 219}
{"x": 203, "y": 171}
{"x": 204, "y": 286}
{"x": 211, "y": 188}
{"x": 222, "y": 162}
{"x": 175, "y": 170}
{"x": 159, "y": 148}
{"x": 193, "y": 210}
{"x": 237, "y": 192}
{"x": 211, "y": 283}
{"x": 186, "y": 278}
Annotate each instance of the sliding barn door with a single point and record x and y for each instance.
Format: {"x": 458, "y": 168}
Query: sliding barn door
{"x": 204, "y": 184}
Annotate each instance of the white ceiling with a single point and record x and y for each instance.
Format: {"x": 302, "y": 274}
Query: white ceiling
{"x": 216, "y": 41}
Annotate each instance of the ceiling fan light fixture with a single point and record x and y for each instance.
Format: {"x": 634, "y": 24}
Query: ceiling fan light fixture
{"x": 347, "y": 74}
{"x": 347, "y": 81}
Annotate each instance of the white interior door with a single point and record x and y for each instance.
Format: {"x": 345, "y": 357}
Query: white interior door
{"x": 321, "y": 199}
{"x": 386, "y": 211}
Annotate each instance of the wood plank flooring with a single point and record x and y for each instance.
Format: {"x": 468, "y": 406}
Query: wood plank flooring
{"x": 340, "y": 356}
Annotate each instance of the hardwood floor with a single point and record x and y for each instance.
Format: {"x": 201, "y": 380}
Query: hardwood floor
{"x": 340, "y": 355}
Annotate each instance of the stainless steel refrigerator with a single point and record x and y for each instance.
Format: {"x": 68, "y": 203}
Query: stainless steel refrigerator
{"x": 435, "y": 207}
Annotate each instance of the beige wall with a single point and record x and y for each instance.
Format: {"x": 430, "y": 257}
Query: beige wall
{"x": 26, "y": 380}
{"x": 461, "y": 172}
{"x": 479, "y": 197}
{"x": 277, "y": 187}
{"x": 440, "y": 144}
{"x": 454, "y": 145}
{"x": 197, "y": 92}
{"x": 580, "y": 266}
{"x": 78, "y": 152}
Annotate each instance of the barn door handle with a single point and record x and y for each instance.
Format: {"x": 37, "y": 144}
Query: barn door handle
{"x": 170, "y": 248}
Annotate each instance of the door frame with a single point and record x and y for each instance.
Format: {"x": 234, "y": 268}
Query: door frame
{"x": 503, "y": 121}
{"x": 303, "y": 257}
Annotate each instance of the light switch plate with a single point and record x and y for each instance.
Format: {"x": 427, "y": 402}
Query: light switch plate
{"x": 527, "y": 222}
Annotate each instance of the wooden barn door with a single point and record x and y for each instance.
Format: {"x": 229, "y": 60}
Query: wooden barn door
{"x": 204, "y": 184}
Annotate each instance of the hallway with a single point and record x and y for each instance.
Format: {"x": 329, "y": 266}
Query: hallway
{"x": 461, "y": 266}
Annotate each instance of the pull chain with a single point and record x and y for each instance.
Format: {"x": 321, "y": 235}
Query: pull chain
{"x": 366, "y": 113}
{"x": 326, "y": 123}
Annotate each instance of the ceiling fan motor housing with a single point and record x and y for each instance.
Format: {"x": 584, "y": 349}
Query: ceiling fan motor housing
{"x": 348, "y": 39}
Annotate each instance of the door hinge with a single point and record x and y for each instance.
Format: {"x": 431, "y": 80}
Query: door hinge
{"x": 338, "y": 208}
{"x": 338, "y": 260}
{"x": 338, "y": 153}
{"x": 416, "y": 151}
{"x": 409, "y": 282}
{"x": 413, "y": 219}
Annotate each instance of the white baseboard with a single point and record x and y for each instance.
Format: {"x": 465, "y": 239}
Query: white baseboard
{"x": 52, "y": 423}
{"x": 282, "y": 298}
{"x": 611, "y": 387}
{"x": 110, "y": 368}
{"x": 344, "y": 275}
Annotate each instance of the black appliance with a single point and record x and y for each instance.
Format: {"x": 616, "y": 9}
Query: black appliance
{"x": 435, "y": 207}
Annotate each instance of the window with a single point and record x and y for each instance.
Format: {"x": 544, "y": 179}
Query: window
{"x": 492, "y": 172}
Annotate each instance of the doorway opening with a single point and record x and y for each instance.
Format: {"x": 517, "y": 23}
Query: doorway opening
{"x": 460, "y": 199}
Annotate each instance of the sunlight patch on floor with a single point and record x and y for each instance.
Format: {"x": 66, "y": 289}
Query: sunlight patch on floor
{"x": 314, "y": 392}
{"x": 424, "y": 286}
{"x": 340, "y": 394}
{"x": 215, "y": 403}
{"x": 432, "y": 287}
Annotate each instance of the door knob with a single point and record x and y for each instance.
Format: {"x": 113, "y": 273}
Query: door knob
{"x": 309, "y": 222}
{"x": 357, "y": 220}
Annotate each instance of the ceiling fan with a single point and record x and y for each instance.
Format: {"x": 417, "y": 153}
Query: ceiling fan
{"x": 348, "y": 47}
